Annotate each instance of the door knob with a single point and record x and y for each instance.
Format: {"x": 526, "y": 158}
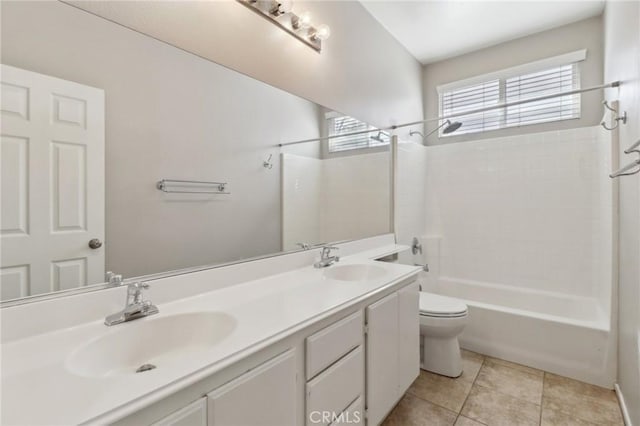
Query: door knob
{"x": 95, "y": 244}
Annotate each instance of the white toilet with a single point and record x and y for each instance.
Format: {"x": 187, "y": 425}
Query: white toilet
{"x": 442, "y": 319}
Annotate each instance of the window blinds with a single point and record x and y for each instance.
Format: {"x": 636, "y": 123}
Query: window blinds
{"x": 345, "y": 124}
{"x": 520, "y": 87}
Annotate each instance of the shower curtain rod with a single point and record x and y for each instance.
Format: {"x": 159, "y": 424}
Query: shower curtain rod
{"x": 459, "y": 114}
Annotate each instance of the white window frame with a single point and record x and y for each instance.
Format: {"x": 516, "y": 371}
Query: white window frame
{"x": 330, "y": 120}
{"x": 502, "y": 75}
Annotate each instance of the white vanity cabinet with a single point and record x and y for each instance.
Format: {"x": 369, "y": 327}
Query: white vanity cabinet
{"x": 334, "y": 369}
{"x": 264, "y": 396}
{"x": 393, "y": 350}
{"x": 194, "y": 414}
{"x": 408, "y": 336}
{"x": 351, "y": 368}
{"x": 392, "y": 354}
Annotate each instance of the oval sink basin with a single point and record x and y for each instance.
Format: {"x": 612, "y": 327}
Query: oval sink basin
{"x": 145, "y": 344}
{"x": 355, "y": 272}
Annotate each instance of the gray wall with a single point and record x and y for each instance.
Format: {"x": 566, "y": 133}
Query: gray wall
{"x": 169, "y": 114}
{"x": 622, "y": 62}
{"x": 586, "y": 34}
{"x": 362, "y": 71}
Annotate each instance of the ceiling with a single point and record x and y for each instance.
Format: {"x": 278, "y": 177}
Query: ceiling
{"x": 433, "y": 30}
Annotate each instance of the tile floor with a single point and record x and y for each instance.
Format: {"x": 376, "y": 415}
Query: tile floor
{"x": 492, "y": 392}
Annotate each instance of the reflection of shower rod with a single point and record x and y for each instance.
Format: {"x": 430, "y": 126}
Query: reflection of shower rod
{"x": 460, "y": 114}
{"x": 615, "y": 117}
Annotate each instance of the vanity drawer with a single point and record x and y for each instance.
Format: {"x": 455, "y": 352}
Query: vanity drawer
{"x": 353, "y": 415}
{"x": 329, "y": 344}
{"x": 336, "y": 388}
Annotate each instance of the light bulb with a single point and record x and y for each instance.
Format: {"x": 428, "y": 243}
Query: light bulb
{"x": 322, "y": 32}
{"x": 281, "y": 7}
{"x": 286, "y": 6}
{"x": 301, "y": 21}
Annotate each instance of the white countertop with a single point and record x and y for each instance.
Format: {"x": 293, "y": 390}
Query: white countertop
{"x": 37, "y": 387}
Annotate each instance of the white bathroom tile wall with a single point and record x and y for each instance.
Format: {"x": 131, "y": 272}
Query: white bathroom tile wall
{"x": 334, "y": 199}
{"x": 411, "y": 191}
{"x": 530, "y": 211}
{"x": 301, "y": 200}
{"x": 356, "y": 196}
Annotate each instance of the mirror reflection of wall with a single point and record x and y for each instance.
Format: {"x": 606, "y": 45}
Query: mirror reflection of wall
{"x": 342, "y": 195}
{"x": 167, "y": 114}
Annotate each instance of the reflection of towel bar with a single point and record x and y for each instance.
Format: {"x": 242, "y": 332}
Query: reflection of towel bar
{"x": 182, "y": 186}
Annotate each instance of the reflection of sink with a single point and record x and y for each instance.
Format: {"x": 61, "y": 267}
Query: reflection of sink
{"x": 157, "y": 341}
{"x": 355, "y": 272}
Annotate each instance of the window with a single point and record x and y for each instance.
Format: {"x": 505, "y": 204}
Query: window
{"x": 554, "y": 75}
{"x": 343, "y": 124}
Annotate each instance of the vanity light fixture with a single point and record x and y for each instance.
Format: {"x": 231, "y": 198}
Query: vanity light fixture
{"x": 280, "y": 13}
{"x": 302, "y": 21}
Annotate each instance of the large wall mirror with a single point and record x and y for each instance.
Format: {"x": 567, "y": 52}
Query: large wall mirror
{"x": 123, "y": 153}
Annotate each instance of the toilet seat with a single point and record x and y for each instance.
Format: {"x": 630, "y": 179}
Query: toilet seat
{"x": 434, "y": 305}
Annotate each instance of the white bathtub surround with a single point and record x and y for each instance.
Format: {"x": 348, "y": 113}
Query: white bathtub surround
{"x": 530, "y": 211}
{"x": 521, "y": 229}
{"x": 410, "y": 191}
{"x": 562, "y": 334}
{"x": 334, "y": 199}
{"x": 268, "y": 300}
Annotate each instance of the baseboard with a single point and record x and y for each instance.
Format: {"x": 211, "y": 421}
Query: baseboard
{"x": 623, "y": 406}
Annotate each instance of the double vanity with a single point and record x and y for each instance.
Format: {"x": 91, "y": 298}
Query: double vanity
{"x": 275, "y": 341}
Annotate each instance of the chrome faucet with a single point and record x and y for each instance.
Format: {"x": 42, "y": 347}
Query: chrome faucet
{"x": 326, "y": 259}
{"x": 135, "y": 306}
{"x": 113, "y": 279}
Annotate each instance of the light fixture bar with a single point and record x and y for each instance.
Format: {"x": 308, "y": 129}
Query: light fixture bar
{"x": 288, "y": 22}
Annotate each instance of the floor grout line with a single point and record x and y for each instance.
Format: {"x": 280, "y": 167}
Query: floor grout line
{"x": 475, "y": 385}
{"x": 484, "y": 358}
{"x": 501, "y": 392}
{"x": 544, "y": 378}
{"x": 431, "y": 402}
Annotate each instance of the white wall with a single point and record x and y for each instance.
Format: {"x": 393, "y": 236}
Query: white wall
{"x": 362, "y": 71}
{"x": 586, "y": 34}
{"x": 335, "y": 199}
{"x": 622, "y": 62}
{"x": 527, "y": 211}
{"x": 169, "y": 114}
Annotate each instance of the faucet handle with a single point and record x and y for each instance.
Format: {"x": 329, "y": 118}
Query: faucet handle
{"x": 326, "y": 250}
{"x": 137, "y": 287}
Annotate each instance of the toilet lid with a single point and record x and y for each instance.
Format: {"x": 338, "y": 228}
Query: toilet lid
{"x": 436, "y": 305}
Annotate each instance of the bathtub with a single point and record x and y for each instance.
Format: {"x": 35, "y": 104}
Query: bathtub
{"x": 562, "y": 334}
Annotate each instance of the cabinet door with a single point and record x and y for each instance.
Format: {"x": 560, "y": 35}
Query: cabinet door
{"x": 382, "y": 358}
{"x": 194, "y": 414}
{"x": 264, "y": 396}
{"x": 408, "y": 336}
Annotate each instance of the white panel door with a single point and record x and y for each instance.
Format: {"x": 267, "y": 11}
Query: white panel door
{"x": 264, "y": 396}
{"x": 408, "y": 336}
{"x": 52, "y": 199}
{"x": 382, "y": 358}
